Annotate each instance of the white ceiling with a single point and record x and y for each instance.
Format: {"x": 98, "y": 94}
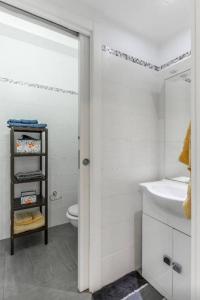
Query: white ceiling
{"x": 157, "y": 20}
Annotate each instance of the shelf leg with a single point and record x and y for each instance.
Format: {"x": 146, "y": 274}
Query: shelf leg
{"x": 46, "y": 236}
{"x": 12, "y": 246}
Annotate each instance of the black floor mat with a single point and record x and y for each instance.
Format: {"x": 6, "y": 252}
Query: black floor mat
{"x": 120, "y": 288}
{"x": 146, "y": 292}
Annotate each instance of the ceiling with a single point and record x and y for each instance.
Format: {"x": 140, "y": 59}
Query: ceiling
{"x": 157, "y": 20}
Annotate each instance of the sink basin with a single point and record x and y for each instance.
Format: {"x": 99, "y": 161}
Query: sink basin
{"x": 168, "y": 194}
{"x": 163, "y": 200}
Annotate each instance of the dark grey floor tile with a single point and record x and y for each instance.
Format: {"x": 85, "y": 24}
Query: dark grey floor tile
{"x": 79, "y": 296}
{"x": 36, "y": 268}
{"x": 2, "y": 270}
{"x": 67, "y": 254}
{"x": 149, "y": 293}
{"x": 53, "y": 266}
{"x": 2, "y": 247}
{"x": 38, "y": 293}
{"x": 1, "y": 294}
{"x": 18, "y": 270}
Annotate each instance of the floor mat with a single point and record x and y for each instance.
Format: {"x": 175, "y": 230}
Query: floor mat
{"x": 131, "y": 285}
{"x": 146, "y": 292}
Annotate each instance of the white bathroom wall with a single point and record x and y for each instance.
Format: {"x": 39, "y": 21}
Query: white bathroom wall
{"x": 130, "y": 151}
{"x": 45, "y": 63}
{"x": 127, "y": 42}
{"x": 176, "y": 46}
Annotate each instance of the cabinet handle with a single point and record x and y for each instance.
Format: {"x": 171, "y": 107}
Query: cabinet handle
{"x": 167, "y": 260}
{"x": 177, "y": 268}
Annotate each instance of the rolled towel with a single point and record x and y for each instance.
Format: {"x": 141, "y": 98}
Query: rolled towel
{"x": 26, "y": 125}
{"x": 29, "y": 175}
{"x": 22, "y": 121}
{"x": 36, "y": 215}
{"x": 32, "y": 226}
{"x": 26, "y": 218}
{"x": 23, "y": 218}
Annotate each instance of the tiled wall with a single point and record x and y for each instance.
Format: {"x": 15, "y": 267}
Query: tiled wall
{"x": 130, "y": 156}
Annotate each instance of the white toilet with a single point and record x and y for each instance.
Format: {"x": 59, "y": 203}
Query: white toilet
{"x": 72, "y": 214}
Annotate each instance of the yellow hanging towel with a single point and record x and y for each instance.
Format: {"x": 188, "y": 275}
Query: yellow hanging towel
{"x": 185, "y": 157}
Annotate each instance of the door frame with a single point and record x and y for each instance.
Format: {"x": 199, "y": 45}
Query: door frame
{"x": 195, "y": 257}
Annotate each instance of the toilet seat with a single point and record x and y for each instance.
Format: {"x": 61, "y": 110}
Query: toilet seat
{"x": 73, "y": 215}
{"x": 73, "y": 211}
{"x": 70, "y": 217}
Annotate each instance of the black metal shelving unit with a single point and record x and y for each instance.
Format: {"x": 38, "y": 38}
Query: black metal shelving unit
{"x": 42, "y": 197}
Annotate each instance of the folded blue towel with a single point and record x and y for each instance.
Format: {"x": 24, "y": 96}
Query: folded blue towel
{"x": 22, "y": 121}
{"x": 27, "y": 125}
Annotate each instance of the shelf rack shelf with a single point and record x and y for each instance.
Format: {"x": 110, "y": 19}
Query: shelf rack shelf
{"x": 29, "y": 154}
{"x": 18, "y": 206}
{"x": 42, "y": 197}
{"x": 43, "y": 228}
{"x": 16, "y": 181}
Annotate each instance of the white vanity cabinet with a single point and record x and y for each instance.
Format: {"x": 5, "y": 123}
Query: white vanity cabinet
{"x": 182, "y": 256}
{"x": 166, "y": 259}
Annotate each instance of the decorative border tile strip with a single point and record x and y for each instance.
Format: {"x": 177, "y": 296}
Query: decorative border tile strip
{"x": 142, "y": 62}
{"x": 188, "y": 80}
{"x": 175, "y": 60}
{"x": 37, "y": 86}
{"x": 130, "y": 58}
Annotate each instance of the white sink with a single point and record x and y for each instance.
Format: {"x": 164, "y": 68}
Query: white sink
{"x": 163, "y": 200}
{"x": 168, "y": 194}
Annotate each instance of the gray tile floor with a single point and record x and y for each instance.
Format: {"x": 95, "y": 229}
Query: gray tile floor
{"x": 39, "y": 272}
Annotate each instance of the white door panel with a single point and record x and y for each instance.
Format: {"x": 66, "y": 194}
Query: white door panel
{"x": 84, "y": 144}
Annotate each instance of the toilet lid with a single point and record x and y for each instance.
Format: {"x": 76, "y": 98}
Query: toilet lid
{"x": 73, "y": 210}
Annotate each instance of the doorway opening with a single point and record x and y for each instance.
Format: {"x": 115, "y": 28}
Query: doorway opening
{"x": 42, "y": 79}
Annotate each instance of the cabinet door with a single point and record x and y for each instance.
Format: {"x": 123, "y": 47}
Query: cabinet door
{"x": 157, "y": 243}
{"x": 182, "y": 272}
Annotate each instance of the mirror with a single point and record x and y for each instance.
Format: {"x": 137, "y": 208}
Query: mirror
{"x": 177, "y": 116}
